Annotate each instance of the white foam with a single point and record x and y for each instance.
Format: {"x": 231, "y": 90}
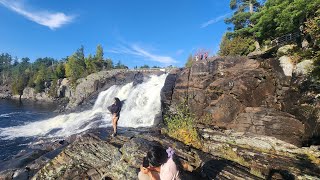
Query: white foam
{"x": 7, "y": 115}
{"x": 142, "y": 104}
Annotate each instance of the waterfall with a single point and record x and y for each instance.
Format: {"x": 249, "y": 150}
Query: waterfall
{"x": 140, "y": 108}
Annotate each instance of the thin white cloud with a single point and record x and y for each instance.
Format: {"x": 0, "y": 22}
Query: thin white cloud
{"x": 179, "y": 52}
{"x": 137, "y": 50}
{"x": 52, "y": 20}
{"x": 215, "y": 20}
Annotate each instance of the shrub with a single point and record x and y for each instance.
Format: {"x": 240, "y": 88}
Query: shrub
{"x": 236, "y": 46}
{"x": 189, "y": 62}
{"x": 181, "y": 126}
{"x": 313, "y": 27}
{"x": 53, "y": 88}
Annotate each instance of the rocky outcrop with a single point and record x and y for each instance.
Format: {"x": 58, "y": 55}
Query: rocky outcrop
{"x": 286, "y": 50}
{"x": 270, "y": 122}
{"x": 304, "y": 67}
{"x": 223, "y": 155}
{"x": 265, "y": 156}
{"x": 31, "y": 94}
{"x": 287, "y": 65}
{"x": 245, "y": 95}
{"x": 5, "y": 92}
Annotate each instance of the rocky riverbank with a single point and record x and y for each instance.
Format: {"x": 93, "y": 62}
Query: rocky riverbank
{"x": 225, "y": 154}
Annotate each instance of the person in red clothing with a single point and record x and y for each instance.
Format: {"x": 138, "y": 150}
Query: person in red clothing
{"x": 206, "y": 55}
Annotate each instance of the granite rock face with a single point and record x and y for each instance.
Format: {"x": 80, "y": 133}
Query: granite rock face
{"x": 245, "y": 95}
{"x": 224, "y": 154}
{"x": 31, "y": 94}
{"x": 5, "y": 91}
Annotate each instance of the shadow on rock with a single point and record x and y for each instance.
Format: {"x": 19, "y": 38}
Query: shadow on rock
{"x": 280, "y": 174}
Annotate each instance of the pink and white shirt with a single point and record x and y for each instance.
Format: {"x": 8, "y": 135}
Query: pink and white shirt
{"x": 169, "y": 171}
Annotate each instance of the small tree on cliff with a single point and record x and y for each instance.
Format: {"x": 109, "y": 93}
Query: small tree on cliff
{"x": 74, "y": 68}
{"x": 98, "y": 58}
{"x": 189, "y": 61}
{"x": 19, "y": 85}
{"x": 244, "y": 9}
{"x": 236, "y": 46}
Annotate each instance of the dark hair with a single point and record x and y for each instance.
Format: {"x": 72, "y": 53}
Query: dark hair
{"x": 157, "y": 156}
{"x": 118, "y": 102}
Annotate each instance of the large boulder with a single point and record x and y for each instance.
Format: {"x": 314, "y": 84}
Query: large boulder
{"x": 286, "y": 50}
{"x": 222, "y": 90}
{"x": 303, "y": 67}
{"x": 287, "y": 65}
{"x": 31, "y": 94}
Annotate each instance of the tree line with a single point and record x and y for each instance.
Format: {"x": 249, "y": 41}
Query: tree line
{"x": 43, "y": 71}
{"x": 255, "y": 23}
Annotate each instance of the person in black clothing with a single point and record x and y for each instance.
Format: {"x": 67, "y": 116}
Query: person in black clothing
{"x": 115, "y": 109}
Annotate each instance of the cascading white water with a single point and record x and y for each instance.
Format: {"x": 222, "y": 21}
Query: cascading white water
{"x": 140, "y": 108}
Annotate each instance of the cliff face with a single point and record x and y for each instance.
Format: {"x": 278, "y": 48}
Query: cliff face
{"x": 248, "y": 96}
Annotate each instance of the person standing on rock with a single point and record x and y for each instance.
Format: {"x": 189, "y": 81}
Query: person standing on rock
{"x": 160, "y": 164}
{"x": 115, "y": 109}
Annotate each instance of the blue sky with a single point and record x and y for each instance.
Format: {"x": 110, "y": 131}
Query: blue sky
{"x": 136, "y": 32}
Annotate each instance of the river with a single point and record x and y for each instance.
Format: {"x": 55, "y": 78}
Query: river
{"x": 22, "y": 124}
{"x": 15, "y": 113}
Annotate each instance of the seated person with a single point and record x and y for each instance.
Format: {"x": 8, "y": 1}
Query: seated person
{"x": 160, "y": 164}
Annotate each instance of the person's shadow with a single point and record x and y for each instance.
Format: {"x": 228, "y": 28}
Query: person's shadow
{"x": 280, "y": 174}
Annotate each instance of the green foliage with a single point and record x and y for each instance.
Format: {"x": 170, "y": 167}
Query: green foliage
{"x": 316, "y": 71}
{"x": 236, "y": 46}
{"x": 108, "y": 64}
{"x": 313, "y": 27}
{"x": 181, "y": 126}
{"x": 75, "y": 69}
{"x": 45, "y": 70}
{"x": 189, "y": 61}
{"x": 279, "y": 17}
{"x": 18, "y": 86}
{"x": 144, "y": 67}
{"x": 119, "y": 65}
{"x": 98, "y": 58}
{"x": 40, "y": 78}
{"x": 60, "y": 71}
{"x": 241, "y": 18}
{"x": 5, "y": 65}
{"x": 53, "y": 88}
{"x": 91, "y": 65}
